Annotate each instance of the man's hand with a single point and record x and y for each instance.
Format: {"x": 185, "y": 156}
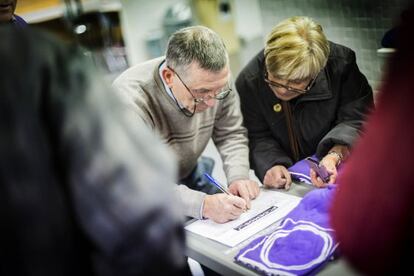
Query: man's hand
{"x": 277, "y": 177}
{"x": 246, "y": 189}
{"x": 222, "y": 207}
{"x": 329, "y": 162}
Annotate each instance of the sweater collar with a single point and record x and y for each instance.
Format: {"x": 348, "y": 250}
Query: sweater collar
{"x": 157, "y": 76}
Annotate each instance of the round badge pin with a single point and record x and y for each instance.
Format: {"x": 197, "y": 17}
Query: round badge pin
{"x": 277, "y": 107}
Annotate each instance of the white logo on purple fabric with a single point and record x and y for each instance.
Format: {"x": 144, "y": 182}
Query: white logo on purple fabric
{"x": 300, "y": 245}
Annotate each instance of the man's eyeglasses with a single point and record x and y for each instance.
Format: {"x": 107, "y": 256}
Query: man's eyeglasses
{"x": 288, "y": 88}
{"x": 219, "y": 95}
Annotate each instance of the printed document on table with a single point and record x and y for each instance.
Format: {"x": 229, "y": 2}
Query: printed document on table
{"x": 269, "y": 207}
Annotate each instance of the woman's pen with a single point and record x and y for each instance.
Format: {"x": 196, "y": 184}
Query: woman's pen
{"x": 215, "y": 183}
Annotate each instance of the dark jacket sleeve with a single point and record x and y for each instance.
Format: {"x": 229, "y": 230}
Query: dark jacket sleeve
{"x": 265, "y": 151}
{"x": 355, "y": 101}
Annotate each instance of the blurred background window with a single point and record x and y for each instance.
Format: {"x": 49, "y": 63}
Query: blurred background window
{"x": 131, "y": 31}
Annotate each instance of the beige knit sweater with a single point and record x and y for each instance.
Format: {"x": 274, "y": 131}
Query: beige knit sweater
{"x": 143, "y": 91}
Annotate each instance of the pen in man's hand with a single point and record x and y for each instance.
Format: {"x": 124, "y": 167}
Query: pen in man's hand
{"x": 215, "y": 183}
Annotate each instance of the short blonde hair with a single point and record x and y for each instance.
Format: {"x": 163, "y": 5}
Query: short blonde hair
{"x": 296, "y": 49}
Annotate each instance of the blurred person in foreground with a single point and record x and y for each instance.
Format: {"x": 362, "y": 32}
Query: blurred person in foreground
{"x": 82, "y": 192}
{"x": 373, "y": 211}
{"x": 186, "y": 97}
{"x": 301, "y": 95}
{"x": 7, "y": 16}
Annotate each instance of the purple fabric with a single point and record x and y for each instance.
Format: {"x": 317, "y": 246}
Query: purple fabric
{"x": 300, "y": 245}
{"x": 19, "y": 22}
{"x": 300, "y": 171}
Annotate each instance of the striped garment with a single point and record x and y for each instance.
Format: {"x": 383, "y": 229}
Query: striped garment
{"x": 143, "y": 92}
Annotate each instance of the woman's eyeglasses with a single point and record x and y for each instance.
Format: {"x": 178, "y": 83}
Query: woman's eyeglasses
{"x": 288, "y": 88}
{"x": 219, "y": 95}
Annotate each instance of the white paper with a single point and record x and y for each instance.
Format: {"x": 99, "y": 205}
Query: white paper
{"x": 269, "y": 207}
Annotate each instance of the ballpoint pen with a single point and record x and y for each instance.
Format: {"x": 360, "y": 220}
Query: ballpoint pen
{"x": 215, "y": 183}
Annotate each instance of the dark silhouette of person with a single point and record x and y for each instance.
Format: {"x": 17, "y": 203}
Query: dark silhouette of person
{"x": 81, "y": 191}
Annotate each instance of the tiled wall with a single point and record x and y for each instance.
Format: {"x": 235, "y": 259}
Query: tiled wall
{"x": 358, "y": 24}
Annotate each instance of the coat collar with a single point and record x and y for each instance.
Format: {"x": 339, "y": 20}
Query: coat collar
{"x": 320, "y": 90}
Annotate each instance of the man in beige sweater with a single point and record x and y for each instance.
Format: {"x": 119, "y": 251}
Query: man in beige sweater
{"x": 186, "y": 98}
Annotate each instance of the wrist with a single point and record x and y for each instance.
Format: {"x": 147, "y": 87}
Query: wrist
{"x": 337, "y": 156}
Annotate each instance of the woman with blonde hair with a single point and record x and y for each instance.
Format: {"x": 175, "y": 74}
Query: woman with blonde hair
{"x": 301, "y": 95}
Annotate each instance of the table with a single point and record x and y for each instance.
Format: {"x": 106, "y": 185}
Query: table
{"x": 219, "y": 257}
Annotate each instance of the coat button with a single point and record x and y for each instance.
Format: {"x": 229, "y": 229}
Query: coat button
{"x": 277, "y": 107}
